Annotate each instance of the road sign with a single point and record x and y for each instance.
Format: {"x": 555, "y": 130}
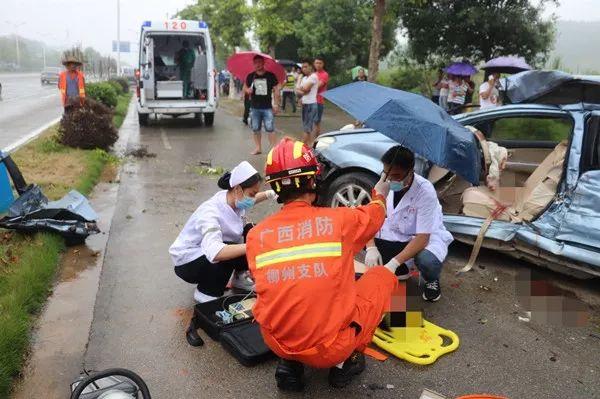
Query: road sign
{"x": 125, "y": 47}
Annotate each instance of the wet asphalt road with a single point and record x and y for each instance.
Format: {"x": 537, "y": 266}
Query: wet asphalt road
{"x": 142, "y": 308}
{"x": 25, "y": 106}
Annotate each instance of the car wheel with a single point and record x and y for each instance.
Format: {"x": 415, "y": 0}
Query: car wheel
{"x": 198, "y": 118}
{"x": 209, "y": 118}
{"x": 143, "y": 119}
{"x": 351, "y": 189}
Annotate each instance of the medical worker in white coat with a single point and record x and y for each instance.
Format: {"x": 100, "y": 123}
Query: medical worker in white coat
{"x": 413, "y": 230}
{"x": 211, "y": 245}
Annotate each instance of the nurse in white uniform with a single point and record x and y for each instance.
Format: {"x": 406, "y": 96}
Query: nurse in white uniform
{"x": 211, "y": 245}
{"x": 413, "y": 229}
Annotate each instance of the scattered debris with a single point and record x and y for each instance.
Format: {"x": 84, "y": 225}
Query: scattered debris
{"x": 485, "y": 288}
{"x": 527, "y": 317}
{"x": 482, "y": 320}
{"x": 594, "y": 335}
{"x": 140, "y": 152}
{"x": 208, "y": 170}
{"x": 552, "y": 358}
{"x": 505, "y": 345}
{"x": 455, "y": 285}
{"x": 389, "y": 386}
{"x": 205, "y": 163}
{"x": 496, "y": 279}
{"x": 128, "y": 217}
{"x": 482, "y": 267}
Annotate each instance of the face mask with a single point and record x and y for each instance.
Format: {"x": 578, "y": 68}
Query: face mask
{"x": 245, "y": 203}
{"x": 396, "y": 186}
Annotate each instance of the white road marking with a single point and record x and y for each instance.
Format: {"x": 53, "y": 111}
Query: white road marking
{"x": 30, "y": 136}
{"x": 165, "y": 139}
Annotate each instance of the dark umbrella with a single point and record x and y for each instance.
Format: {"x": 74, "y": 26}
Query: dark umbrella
{"x": 552, "y": 87}
{"x": 461, "y": 69}
{"x": 506, "y": 65}
{"x": 287, "y": 63}
{"x": 413, "y": 121}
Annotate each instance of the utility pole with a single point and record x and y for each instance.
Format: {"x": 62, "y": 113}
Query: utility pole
{"x": 44, "y": 54}
{"x": 118, "y": 37}
{"x": 18, "y": 51}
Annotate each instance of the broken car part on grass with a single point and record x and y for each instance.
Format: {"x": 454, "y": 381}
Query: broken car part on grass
{"x": 72, "y": 216}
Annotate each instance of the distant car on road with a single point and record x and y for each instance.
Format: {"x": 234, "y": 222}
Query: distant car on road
{"x": 50, "y": 75}
{"x": 550, "y": 189}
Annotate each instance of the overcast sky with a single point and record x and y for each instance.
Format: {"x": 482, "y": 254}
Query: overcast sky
{"x": 93, "y": 22}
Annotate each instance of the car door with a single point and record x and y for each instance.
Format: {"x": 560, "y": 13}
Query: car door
{"x": 581, "y": 223}
{"x": 529, "y": 138}
{"x": 147, "y": 69}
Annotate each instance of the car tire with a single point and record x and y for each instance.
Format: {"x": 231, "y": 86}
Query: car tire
{"x": 143, "y": 119}
{"x": 198, "y": 118}
{"x": 350, "y": 189}
{"x": 209, "y": 118}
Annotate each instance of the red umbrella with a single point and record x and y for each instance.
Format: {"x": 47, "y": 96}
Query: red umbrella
{"x": 241, "y": 64}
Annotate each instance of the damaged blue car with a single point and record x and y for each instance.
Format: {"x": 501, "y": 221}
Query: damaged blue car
{"x": 546, "y": 208}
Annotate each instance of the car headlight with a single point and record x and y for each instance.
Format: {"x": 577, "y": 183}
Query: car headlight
{"x": 324, "y": 142}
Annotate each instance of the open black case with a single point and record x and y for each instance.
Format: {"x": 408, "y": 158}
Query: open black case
{"x": 241, "y": 338}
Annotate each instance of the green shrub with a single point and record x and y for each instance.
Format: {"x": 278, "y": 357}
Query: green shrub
{"x": 407, "y": 78}
{"x": 123, "y": 84}
{"x": 116, "y": 85}
{"x": 104, "y": 92}
{"x": 89, "y": 126}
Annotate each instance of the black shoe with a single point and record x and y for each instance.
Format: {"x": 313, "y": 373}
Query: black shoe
{"x": 402, "y": 272}
{"x": 290, "y": 375}
{"x": 432, "y": 291}
{"x": 341, "y": 377}
{"x": 192, "y": 335}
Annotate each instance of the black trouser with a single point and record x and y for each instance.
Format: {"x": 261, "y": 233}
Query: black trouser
{"x": 246, "y": 109}
{"x": 427, "y": 263}
{"x": 211, "y": 278}
{"x": 292, "y": 96}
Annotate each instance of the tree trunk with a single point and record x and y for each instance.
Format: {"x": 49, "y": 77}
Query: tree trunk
{"x": 376, "y": 33}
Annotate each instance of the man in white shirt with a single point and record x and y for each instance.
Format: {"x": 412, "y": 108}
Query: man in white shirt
{"x": 307, "y": 88}
{"x": 489, "y": 96}
{"x": 413, "y": 231}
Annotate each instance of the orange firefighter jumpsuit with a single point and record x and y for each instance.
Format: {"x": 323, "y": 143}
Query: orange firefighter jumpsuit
{"x": 62, "y": 85}
{"x": 309, "y": 307}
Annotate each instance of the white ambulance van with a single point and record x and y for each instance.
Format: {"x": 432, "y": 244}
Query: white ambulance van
{"x": 160, "y": 84}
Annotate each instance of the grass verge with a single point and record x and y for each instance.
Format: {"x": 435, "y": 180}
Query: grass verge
{"x": 28, "y": 263}
{"x": 121, "y": 109}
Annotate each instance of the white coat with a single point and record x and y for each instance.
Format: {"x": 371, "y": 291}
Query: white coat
{"x": 207, "y": 230}
{"x": 419, "y": 211}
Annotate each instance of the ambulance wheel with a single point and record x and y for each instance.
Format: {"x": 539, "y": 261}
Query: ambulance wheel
{"x": 351, "y": 189}
{"x": 209, "y": 118}
{"x": 143, "y": 119}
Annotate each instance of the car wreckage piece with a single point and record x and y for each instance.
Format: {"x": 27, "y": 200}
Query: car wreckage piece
{"x": 72, "y": 216}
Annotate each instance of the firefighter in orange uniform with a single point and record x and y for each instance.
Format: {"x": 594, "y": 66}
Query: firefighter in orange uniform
{"x": 71, "y": 82}
{"x": 310, "y": 309}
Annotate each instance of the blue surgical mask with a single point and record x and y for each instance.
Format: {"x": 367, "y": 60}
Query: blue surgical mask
{"x": 396, "y": 186}
{"x": 245, "y": 203}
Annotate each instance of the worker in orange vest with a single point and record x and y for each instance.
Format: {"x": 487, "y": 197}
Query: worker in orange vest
{"x": 71, "y": 82}
{"x": 310, "y": 309}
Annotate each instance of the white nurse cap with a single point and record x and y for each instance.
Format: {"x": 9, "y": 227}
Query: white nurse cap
{"x": 241, "y": 173}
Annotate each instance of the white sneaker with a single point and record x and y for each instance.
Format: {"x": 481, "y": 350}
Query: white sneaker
{"x": 201, "y": 297}
{"x": 242, "y": 281}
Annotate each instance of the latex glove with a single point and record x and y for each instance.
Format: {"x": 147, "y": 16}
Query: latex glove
{"x": 392, "y": 265}
{"x": 373, "y": 257}
{"x": 271, "y": 194}
{"x": 382, "y": 187}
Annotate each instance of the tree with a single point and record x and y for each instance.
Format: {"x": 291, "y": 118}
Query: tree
{"x": 477, "y": 29}
{"x": 376, "y": 33}
{"x": 228, "y": 21}
{"x": 274, "y": 20}
{"x": 340, "y": 32}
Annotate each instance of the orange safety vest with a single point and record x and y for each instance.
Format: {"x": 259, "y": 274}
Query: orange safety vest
{"x": 302, "y": 259}
{"x": 62, "y": 85}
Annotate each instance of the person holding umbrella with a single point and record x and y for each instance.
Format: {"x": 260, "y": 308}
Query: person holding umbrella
{"x": 489, "y": 95}
{"x": 262, "y": 86}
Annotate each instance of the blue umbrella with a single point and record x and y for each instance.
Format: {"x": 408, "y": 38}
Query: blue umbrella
{"x": 461, "y": 69}
{"x": 414, "y": 122}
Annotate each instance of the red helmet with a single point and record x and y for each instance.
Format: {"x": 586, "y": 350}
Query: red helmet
{"x": 287, "y": 160}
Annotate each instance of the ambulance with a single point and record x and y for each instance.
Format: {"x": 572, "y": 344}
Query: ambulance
{"x": 161, "y": 87}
